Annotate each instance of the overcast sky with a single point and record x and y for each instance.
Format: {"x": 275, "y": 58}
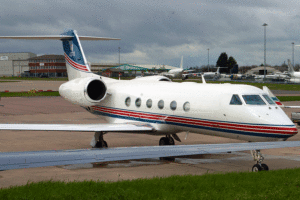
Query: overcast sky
{"x": 159, "y": 32}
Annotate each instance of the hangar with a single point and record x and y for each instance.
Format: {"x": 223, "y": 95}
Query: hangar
{"x": 14, "y": 64}
{"x": 260, "y": 71}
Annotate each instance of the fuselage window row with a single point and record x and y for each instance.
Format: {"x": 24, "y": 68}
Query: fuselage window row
{"x": 160, "y": 104}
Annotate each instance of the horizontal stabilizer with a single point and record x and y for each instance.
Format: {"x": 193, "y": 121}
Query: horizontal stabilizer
{"x": 17, "y": 160}
{"x": 44, "y": 37}
{"x": 77, "y": 127}
{"x": 55, "y": 37}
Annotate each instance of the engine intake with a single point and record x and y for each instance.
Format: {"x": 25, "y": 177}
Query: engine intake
{"x": 84, "y": 91}
{"x": 96, "y": 90}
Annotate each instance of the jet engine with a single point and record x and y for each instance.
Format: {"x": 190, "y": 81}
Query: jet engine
{"x": 84, "y": 91}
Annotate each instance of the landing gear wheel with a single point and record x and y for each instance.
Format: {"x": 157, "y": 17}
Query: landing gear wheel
{"x": 101, "y": 144}
{"x": 163, "y": 141}
{"x": 171, "y": 141}
{"x": 256, "y": 168}
{"x": 166, "y": 141}
{"x": 265, "y": 167}
{"x": 171, "y": 159}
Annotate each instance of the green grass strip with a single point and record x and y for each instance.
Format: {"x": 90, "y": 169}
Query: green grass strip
{"x": 29, "y": 94}
{"x": 280, "y": 184}
{"x": 271, "y": 86}
{"x": 289, "y": 98}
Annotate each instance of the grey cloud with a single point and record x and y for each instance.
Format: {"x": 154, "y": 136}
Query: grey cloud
{"x": 219, "y": 25}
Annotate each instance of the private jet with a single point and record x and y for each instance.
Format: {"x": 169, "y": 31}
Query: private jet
{"x": 293, "y": 77}
{"x": 157, "y": 106}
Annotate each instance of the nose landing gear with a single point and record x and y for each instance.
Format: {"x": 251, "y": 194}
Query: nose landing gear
{"x": 257, "y": 156}
{"x": 98, "y": 141}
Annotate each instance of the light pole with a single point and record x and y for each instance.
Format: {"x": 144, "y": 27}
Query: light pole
{"x": 265, "y": 49}
{"x": 208, "y": 59}
{"x": 293, "y": 48}
{"x": 119, "y": 54}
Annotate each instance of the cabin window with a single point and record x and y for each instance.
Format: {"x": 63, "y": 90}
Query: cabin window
{"x": 127, "y": 101}
{"x": 149, "y": 103}
{"x": 235, "y": 100}
{"x": 269, "y": 100}
{"x": 160, "y": 104}
{"x": 253, "y": 100}
{"x": 186, "y": 106}
{"x": 173, "y": 105}
{"x": 138, "y": 102}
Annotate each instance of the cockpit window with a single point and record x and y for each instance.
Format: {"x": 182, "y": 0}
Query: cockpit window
{"x": 235, "y": 100}
{"x": 253, "y": 100}
{"x": 275, "y": 99}
{"x": 269, "y": 100}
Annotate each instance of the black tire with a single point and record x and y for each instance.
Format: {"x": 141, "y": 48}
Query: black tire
{"x": 163, "y": 141}
{"x": 256, "y": 168}
{"x": 101, "y": 144}
{"x": 171, "y": 141}
{"x": 171, "y": 159}
{"x": 265, "y": 167}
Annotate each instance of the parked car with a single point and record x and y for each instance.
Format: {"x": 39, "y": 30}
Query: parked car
{"x": 44, "y": 76}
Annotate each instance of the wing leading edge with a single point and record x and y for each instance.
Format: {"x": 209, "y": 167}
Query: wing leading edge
{"x": 17, "y": 160}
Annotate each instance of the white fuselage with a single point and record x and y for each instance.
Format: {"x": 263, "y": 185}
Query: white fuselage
{"x": 210, "y": 110}
{"x": 174, "y": 73}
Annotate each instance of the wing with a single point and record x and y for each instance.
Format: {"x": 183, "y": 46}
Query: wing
{"x": 79, "y": 127}
{"x": 16, "y": 160}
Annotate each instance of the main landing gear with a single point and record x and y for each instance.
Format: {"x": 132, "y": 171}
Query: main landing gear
{"x": 168, "y": 140}
{"x": 98, "y": 141}
{"x": 257, "y": 156}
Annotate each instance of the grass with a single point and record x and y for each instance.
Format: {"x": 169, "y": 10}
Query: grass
{"x": 280, "y": 184}
{"x": 29, "y": 94}
{"x": 289, "y": 98}
{"x": 271, "y": 86}
{"x": 8, "y": 81}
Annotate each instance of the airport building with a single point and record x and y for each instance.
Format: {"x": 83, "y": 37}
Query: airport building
{"x": 48, "y": 66}
{"x": 260, "y": 71}
{"x": 14, "y": 64}
{"x": 30, "y": 65}
{"x": 128, "y": 70}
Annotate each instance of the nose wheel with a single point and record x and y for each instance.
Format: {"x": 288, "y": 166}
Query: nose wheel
{"x": 257, "y": 156}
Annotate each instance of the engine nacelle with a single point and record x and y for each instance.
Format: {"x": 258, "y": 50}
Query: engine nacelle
{"x": 84, "y": 91}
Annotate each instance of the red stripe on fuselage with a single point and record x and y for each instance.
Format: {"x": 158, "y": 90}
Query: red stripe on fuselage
{"x": 74, "y": 64}
{"x": 212, "y": 124}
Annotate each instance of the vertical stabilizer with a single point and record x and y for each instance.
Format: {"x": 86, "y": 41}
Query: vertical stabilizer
{"x": 203, "y": 79}
{"x": 76, "y": 62}
{"x": 290, "y": 67}
{"x": 181, "y": 63}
